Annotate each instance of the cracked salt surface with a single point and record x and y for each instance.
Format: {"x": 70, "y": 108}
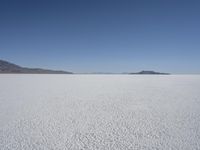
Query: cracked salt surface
{"x": 103, "y": 112}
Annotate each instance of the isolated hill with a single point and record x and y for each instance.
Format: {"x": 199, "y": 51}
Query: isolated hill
{"x": 7, "y": 67}
{"x": 150, "y": 72}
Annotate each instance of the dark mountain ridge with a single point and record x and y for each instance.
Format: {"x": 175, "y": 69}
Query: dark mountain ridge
{"x": 7, "y": 67}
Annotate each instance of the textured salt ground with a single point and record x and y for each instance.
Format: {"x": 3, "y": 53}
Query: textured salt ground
{"x": 77, "y": 112}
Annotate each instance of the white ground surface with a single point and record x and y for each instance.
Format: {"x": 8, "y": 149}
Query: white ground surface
{"x": 99, "y": 112}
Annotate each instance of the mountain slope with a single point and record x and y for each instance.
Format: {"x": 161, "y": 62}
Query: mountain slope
{"x": 7, "y": 67}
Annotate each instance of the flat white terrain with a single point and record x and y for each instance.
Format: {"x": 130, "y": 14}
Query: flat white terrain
{"x": 115, "y": 112}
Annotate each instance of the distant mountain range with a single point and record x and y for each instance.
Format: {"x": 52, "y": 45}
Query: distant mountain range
{"x": 7, "y": 67}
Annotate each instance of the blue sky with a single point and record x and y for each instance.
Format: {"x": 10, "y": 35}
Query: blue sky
{"x": 102, "y": 35}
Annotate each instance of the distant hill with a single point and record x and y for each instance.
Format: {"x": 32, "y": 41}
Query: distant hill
{"x": 150, "y": 72}
{"x": 7, "y": 67}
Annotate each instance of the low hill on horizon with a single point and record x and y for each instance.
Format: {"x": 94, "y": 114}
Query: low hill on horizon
{"x": 150, "y": 72}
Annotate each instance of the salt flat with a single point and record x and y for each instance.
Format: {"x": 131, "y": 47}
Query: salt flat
{"x": 116, "y": 112}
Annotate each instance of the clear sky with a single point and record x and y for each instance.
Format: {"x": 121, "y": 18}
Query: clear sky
{"x": 102, "y": 35}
